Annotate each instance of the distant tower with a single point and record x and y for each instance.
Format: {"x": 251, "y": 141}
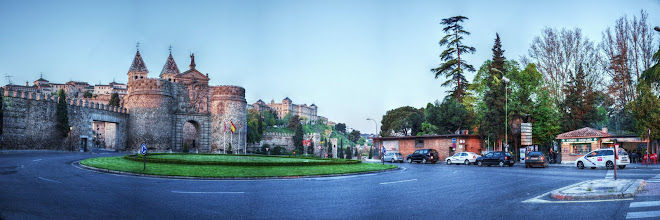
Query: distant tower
{"x": 138, "y": 70}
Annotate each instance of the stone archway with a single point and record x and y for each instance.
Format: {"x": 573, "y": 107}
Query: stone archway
{"x": 191, "y": 136}
{"x": 191, "y": 128}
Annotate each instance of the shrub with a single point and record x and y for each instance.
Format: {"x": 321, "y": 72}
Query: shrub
{"x": 278, "y": 151}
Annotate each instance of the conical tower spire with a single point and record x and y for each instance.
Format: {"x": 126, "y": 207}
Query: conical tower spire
{"x": 138, "y": 64}
{"x": 170, "y": 67}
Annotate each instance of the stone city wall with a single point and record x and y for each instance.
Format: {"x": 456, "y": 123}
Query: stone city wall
{"x": 30, "y": 121}
{"x": 228, "y": 105}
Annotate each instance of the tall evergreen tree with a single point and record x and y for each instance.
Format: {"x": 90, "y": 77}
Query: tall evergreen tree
{"x": 349, "y": 154}
{"x": 453, "y": 66}
{"x": 114, "y": 100}
{"x": 260, "y": 129}
{"x": 62, "y": 115}
{"x": 298, "y": 138}
{"x": 341, "y": 149}
{"x": 495, "y": 96}
{"x": 579, "y": 109}
{"x": 1, "y": 111}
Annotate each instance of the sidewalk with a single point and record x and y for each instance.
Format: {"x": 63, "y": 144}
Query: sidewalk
{"x": 600, "y": 189}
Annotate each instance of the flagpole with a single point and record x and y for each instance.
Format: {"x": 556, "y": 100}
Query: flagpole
{"x": 239, "y": 136}
{"x": 247, "y": 131}
{"x": 224, "y": 138}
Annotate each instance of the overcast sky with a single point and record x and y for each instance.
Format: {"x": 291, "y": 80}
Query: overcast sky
{"x": 353, "y": 59}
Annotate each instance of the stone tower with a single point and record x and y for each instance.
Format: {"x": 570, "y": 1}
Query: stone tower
{"x": 137, "y": 70}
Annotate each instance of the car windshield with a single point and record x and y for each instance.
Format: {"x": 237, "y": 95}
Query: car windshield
{"x": 535, "y": 154}
{"x": 622, "y": 152}
{"x": 398, "y": 154}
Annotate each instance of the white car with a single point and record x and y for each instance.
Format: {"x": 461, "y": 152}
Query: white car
{"x": 603, "y": 158}
{"x": 462, "y": 158}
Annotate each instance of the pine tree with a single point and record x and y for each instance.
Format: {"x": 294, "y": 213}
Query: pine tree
{"x": 298, "y": 139}
{"x": 62, "y": 115}
{"x": 453, "y": 67}
{"x": 495, "y": 94}
{"x": 114, "y": 100}
{"x": 261, "y": 125}
{"x": 341, "y": 149}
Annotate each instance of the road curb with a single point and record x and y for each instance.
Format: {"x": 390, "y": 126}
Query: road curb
{"x": 628, "y": 191}
{"x": 226, "y": 178}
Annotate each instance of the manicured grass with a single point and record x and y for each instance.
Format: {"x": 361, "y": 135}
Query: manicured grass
{"x": 121, "y": 164}
{"x": 231, "y": 158}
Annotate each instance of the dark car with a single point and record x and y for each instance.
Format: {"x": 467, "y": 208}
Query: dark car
{"x": 496, "y": 158}
{"x": 423, "y": 156}
{"x": 536, "y": 158}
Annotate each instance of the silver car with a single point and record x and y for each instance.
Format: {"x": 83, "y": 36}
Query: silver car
{"x": 393, "y": 157}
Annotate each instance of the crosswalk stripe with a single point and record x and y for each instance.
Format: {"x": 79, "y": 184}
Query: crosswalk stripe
{"x": 647, "y": 214}
{"x": 644, "y": 204}
{"x": 653, "y": 181}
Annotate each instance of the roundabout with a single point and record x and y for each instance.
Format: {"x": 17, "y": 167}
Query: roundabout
{"x": 221, "y": 166}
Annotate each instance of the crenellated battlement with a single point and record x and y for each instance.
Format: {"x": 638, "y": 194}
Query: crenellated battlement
{"x": 228, "y": 92}
{"x": 150, "y": 86}
{"x": 85, "y": 103}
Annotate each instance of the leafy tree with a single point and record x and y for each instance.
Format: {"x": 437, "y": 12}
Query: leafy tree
{"x": 298, "y": 138}
{"x": 546, "y": 119}
{"x": 453, "y": 66}
{"x": 88, "y": 94}
{"x": 294, "y": 121}
{"x": 253, "y": 122}
{"x": 646, "y": 112}
{"x": 62, "y": 115}
{"x": 270, "y": 117}
{"x": 114, "y": 100}
{"x": 450, "y": 116}
{"x": 403, "y": 121}
{"x": 354, "y": 136}
{"x": 340, "y": 127}
{"x": 361, "y": 141}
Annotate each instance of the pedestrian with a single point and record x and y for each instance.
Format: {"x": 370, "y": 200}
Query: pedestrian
{"x": 633, "y": 156}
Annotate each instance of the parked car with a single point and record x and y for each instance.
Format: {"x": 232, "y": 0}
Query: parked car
{"x": 463, "y": 158}
{"x": 496, "y": 158}
{"x": 423, "y": 156}
{"x": 393, "y": 157}
{"x": 536, "y": 158}
{"x": 603, "y": 158}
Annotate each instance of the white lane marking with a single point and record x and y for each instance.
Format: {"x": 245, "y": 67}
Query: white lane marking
{"x": 49, "y": 180}
{"x": 184, "y": 192}
{"x": 401, "y": 181}
{"x": 644, "y": 204}
{"x": 610, "y": 174}
{"x": 36, "y": 160}
{"x": 653, "y": 181}
{"x": 647, "y": 214}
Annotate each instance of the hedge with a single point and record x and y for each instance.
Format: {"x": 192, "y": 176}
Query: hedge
{"x": 139, "y": 158}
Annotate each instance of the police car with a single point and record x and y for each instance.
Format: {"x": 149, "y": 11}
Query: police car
{"x": 603, "y": 158}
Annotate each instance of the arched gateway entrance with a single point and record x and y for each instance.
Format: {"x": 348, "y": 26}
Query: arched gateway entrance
{"x": 193, "y": 132}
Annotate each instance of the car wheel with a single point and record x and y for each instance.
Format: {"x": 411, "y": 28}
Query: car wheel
{"x": 501, "y": 163}
{"x": 609, "y": 165}
{"x": 409, "y": 160}
{"x": 467, "y": 162}
{"x": 510, "y": 165}
{"x": 448, "y": 162}
{"x": 479, "y": 163}
{"x": 424, "y": 160}
{"x": 593, "y": 168}
{"x": 392, "y": 161}
{"x": 526, "y": 165}
{"x": 622, "y": 167}
{"x": 580, "y": 165}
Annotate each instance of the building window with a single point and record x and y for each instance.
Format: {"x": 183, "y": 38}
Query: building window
{"x": 419, "y": 143}
{"x": 580, "y": 149}
{"x": 135, "y": 77}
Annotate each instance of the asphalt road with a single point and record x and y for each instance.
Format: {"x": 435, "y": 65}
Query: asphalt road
{"x": 49, "y": 185}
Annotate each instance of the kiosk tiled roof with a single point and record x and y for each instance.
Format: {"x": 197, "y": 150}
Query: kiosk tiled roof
{"x": 584, "y": 132}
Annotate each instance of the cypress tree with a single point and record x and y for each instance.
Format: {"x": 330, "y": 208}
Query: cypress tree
{"x": 298, "y": 139}
{"x": 1, "y": 111}
{"x": 261, "y": 125}
{"x": 341, "y": 149}
{"x": 114, "y": 100}
{"x": 62, "y": 115}
{"x": 349, "y": 154}
{"x": 495, "y": 97}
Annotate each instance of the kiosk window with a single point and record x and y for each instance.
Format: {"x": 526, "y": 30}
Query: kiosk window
{"x": 580, "y": 148}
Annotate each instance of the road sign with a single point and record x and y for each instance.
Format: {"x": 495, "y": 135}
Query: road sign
{"x": 143, "y": 150}
{"x": 384, "y": 150}
{"x": 453, "y": 140}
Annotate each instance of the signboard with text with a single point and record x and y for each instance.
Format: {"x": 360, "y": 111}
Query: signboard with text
{"x": 526, "y": 134}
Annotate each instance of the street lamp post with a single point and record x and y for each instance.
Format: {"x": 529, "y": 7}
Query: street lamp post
{"x": 376, "y": 123}
{"x": 506, "y": 115}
